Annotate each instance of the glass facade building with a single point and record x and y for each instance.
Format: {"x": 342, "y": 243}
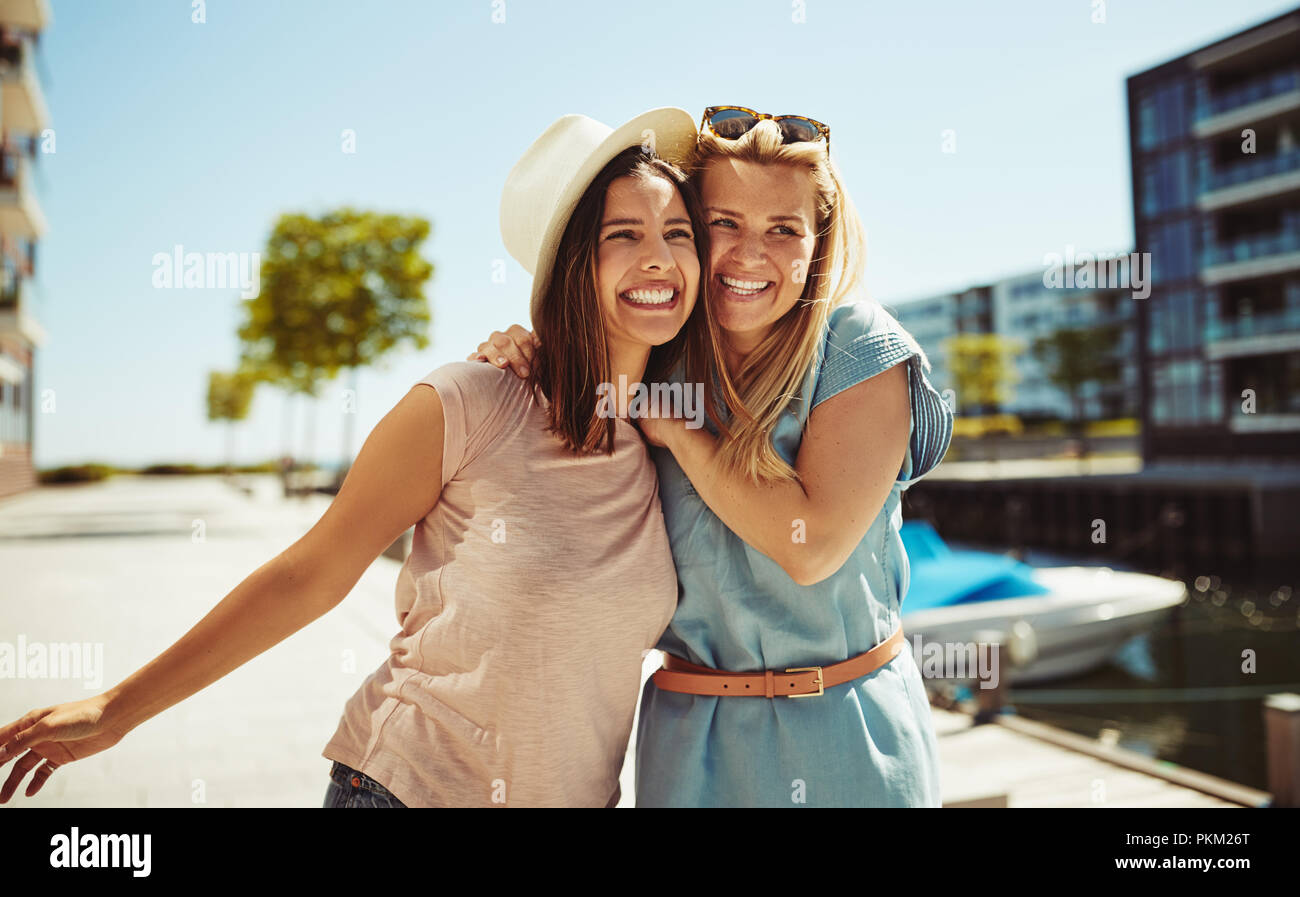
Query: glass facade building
{"x": 1214, "y": 139}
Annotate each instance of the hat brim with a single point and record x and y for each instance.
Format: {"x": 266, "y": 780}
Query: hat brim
{"x": 674, "y": 133}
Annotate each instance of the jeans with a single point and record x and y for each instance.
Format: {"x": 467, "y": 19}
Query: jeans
{"x": 350, "y": 788}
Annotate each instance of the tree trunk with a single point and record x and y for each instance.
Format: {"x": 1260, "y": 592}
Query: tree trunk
{"x": 349, "y": 424}
{"x": 309, "y": 432}
{"x": 230, "y": 444}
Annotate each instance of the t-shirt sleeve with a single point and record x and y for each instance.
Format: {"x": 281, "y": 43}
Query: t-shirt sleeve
{"x": 864, "y": 340}
{"x": 474, "y": 397}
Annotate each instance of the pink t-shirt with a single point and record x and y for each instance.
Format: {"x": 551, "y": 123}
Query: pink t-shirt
{"x": 533, "y": 589}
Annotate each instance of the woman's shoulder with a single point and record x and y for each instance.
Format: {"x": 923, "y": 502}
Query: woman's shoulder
{"x": 479, "y": 396}
{"x": 476, "y": 379}
{"x": 851, "y": 321}
{"x": 862, "y": 339}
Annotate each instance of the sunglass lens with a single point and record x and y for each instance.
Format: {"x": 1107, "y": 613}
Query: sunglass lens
{"x": 798, "y": 130}
{"x": 731, "y": 123}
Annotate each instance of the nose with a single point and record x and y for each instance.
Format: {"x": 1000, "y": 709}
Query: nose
{"x": 747, "y": 249}
{"x": 657, "y": 255}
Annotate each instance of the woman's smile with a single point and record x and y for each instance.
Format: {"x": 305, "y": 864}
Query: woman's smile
{"x": 652, "y": 297}
{"x": 743, "y": 289}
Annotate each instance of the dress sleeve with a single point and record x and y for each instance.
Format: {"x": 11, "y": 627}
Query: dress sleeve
{"x": 473, "y": 397}
{"x": 863, "y": 340}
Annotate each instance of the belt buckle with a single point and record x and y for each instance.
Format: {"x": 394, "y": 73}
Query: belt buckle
{"x": 820, "y": 682}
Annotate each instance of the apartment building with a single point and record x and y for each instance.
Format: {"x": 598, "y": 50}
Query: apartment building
{"x": 24, "y": 121}
{"x": 1216, "y": 201}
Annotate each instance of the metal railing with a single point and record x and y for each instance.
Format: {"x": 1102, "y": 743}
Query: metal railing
{"x": 1251, "y": 170}
{"x": 1255, "y": 324}
{"x": 1286, "y": 240}
{"x": 1253, "y": 91}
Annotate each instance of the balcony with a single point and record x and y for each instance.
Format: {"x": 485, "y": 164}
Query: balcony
{"x": 1261, "y": 256}
{"x": 1248, "y": 105}
{"x": 22, "y": 102}
{"x": 15, "y": 314}
{"x": 1264, "y": 423}
{"x": 1250, "y": 180}
{"x": 1266, "y": 333}
{"x": 21, "y": 217}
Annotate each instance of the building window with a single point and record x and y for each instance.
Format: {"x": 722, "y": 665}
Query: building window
{"x": 1160, "y": 394}
{"x": 1147, "y": 134}
{"x": 1178, "y": 394}
{"x": 1156, "y": 325}
{"x": 1166, "y": 184}
{"x": 6, "y": 416}
{"x": 1172, "y": 252}
{"x": 1162, "y": 115}
{"x": 1214, "y": 392}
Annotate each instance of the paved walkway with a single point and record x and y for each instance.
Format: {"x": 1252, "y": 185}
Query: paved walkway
{"x": 118, "y": 564}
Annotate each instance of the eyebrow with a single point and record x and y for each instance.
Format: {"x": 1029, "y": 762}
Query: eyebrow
{"x": 741, "y": 215}
{"x": 619, "y": 222}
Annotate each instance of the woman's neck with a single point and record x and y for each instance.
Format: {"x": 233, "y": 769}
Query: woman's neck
{"x": 737, "y": 345}
{"x": 627, "y": 364}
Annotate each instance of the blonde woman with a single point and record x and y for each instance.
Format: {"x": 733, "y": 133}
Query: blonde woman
{"x": 787, "y": 681}
{"x": 540, "y": 571}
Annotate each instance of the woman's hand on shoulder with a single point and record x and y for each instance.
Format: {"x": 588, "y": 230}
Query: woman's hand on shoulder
{"x": 514, "y": 349}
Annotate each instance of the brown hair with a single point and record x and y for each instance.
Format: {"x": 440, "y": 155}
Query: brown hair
{"x": 573, "y": 358}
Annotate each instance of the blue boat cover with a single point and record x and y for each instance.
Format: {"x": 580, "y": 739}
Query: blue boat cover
{"x": 942, "y": 577}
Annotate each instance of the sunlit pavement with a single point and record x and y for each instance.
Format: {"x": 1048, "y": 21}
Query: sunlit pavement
{"x": 131, "y": 564}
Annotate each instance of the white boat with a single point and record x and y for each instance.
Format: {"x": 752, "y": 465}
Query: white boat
{"x": 1051, "y": 622}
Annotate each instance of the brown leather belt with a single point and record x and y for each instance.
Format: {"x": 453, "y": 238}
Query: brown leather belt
{"x": 798, "y": 682}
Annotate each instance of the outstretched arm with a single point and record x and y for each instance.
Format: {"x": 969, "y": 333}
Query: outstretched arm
{"x": 395, "y": 481}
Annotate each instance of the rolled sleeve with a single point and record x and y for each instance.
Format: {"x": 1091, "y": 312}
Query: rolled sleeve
{"x": 862, "y": 341}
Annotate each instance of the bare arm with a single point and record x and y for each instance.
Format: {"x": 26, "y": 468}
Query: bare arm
{"x": 395, "y": 481}
{"x": 851, "y": 452}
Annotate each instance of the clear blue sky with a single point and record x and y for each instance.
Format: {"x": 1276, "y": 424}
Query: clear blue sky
{"x": 201, "y": 134}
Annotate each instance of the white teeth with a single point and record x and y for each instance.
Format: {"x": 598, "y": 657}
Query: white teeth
{"x": 745, "y": 287}
{"x": 650, "y": 297}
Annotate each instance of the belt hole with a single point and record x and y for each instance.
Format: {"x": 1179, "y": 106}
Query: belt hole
{"x": 726, "y": 686}
{"x": 746, "y": 686}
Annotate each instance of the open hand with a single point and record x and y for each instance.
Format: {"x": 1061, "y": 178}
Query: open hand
{"x": 53, "y": 737}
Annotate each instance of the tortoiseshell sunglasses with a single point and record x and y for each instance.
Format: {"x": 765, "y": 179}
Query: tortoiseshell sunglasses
{"x": 730, "y": 122}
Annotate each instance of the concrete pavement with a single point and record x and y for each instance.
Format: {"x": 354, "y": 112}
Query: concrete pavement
{"x": 132, "y": 563}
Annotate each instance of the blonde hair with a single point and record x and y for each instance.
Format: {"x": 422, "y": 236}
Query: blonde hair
{"x": 772, "y": 374}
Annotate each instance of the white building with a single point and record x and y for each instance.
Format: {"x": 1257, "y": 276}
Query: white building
{"x": 1026, "y": 308}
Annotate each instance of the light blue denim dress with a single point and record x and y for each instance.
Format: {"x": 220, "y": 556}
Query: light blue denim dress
{"x": 865, "y": 743}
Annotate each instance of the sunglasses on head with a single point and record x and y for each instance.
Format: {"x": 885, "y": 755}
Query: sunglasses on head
{"x": 730, "y": 122}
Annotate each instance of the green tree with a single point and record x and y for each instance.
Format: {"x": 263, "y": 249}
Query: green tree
{"x": 229, "y": 397}
{"x": 338, "y": 291}
{"x": 983, "y": 370}
{"x": 1075, "y": 357}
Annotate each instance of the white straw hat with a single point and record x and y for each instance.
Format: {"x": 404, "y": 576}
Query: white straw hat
{"x": 546, "y": 183}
